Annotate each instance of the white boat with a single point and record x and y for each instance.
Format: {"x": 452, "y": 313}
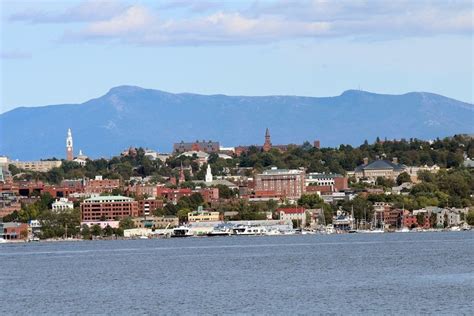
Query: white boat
{"x": 181, "y": 231}
{"x": 455, "y": 229}
{"x": 330, "y": 229}
{"x": 373, "y": 231}
{"x": 3, "y": 241}
{"x": 251, "y": 230}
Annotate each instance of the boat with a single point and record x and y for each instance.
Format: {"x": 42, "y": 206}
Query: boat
{"x": 455, "y": 229}
{"x": 273, "y": 232}
{"x": 3, "y": 241}
{"x": 251, "y": 230}
{"x": 403, "y": 230}
{"x": 221, "y": 231}
{"x": 181, "y": 231}
{"x": 371, "y": 231}
{"x": 330, "y": 229}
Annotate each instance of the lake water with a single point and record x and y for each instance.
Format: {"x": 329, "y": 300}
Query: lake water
{"x": 412, "y": 273}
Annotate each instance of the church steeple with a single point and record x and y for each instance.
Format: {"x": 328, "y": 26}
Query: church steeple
{"x": 69, "y": 148}
{"x": 268, "y": 144}
{"x": 208, "y": 174}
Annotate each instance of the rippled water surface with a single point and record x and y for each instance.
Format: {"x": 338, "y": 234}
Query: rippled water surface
{"x": 412, "y": 273}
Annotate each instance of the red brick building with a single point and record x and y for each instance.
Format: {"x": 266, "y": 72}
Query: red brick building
{"x": 12, "y": 231}
{"x": 172, "y": 195}
{"x": 108, "y": 208}
{"x": 289, "y": 183}
{"x": 146, "y": 207}
{"x": 99, "y": 185}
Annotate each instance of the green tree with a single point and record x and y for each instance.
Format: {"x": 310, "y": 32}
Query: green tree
{"x": 126, "y": 223}
{"x": 310, "y": 201}
{"x": 470, "y": 218}
{"x": 403, "y": 177}
{"x": 85, "y": 232}
{"x": 96, "y": 230}
{"x": 108, "y": 231}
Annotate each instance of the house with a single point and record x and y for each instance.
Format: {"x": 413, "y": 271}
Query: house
{"x": 295, "y": 214}
{"x": 62, "y": 204}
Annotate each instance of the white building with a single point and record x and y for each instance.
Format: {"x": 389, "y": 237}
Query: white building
{"x": 81, "y": 159}
{"x": 62, "y": 204}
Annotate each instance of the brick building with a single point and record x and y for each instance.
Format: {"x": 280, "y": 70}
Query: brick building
{"x": 289, "y": 183}
{"x": 146, "y": 207}
{"x": 205, "y": 146}
{"x": 108, "y": 208}
{"x": 99, "y": 185}
{"x": 12, "y": 231}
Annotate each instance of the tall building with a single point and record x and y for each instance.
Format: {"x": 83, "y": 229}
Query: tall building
{"x": 108, "y": 207}
{"x": 69, "y": 150}
{"x": 287, "y": 183}
{"x": 268, "y": 144}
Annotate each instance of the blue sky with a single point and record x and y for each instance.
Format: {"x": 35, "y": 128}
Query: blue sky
{"x": 58, "y": 52}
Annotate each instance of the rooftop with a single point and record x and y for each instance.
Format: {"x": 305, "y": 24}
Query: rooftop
{"x": 109, "y": 198}
{"x": 380, "y": 165}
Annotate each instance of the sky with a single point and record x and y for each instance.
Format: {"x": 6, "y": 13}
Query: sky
{"x": 58, "y": 52}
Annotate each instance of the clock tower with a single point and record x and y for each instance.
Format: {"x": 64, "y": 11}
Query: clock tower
{"x": 69, "y": 152}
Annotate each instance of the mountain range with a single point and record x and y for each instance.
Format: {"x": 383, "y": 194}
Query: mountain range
{"x": 133, "y": 116}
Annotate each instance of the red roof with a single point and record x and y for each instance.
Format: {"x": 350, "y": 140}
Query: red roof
{"x": 292, "y": 210}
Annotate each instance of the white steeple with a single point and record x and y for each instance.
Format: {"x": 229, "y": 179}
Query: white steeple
{"x": 208, "y": 174}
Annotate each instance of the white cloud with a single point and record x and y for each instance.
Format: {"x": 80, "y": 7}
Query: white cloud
{"x": 272, "y": 21}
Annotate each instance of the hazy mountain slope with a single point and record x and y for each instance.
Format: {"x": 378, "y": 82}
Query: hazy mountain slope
{"x": 142, "y": 117}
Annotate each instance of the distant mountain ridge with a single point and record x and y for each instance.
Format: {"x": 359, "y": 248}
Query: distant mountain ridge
{"x": 132, "y": 116}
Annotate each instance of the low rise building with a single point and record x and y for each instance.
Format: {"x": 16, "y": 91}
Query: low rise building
{"x": 38, "y": 166}
{"x": 379, "y": 168}
{"x": 13, "y": 231}
{"x": 148, "y": 206}
{"x": 334, "y": 181}
{"x": 100, "y": 185}
{"x": 204, "y": 216}
{"x": 295, "y": 214}
{"x": 156, "y": 222}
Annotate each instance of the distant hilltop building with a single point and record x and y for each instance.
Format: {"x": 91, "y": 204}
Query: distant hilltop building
{"x": 205, "y": 146}
{"x": 69, "y": 148}
{"x": 267, "y": 145}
